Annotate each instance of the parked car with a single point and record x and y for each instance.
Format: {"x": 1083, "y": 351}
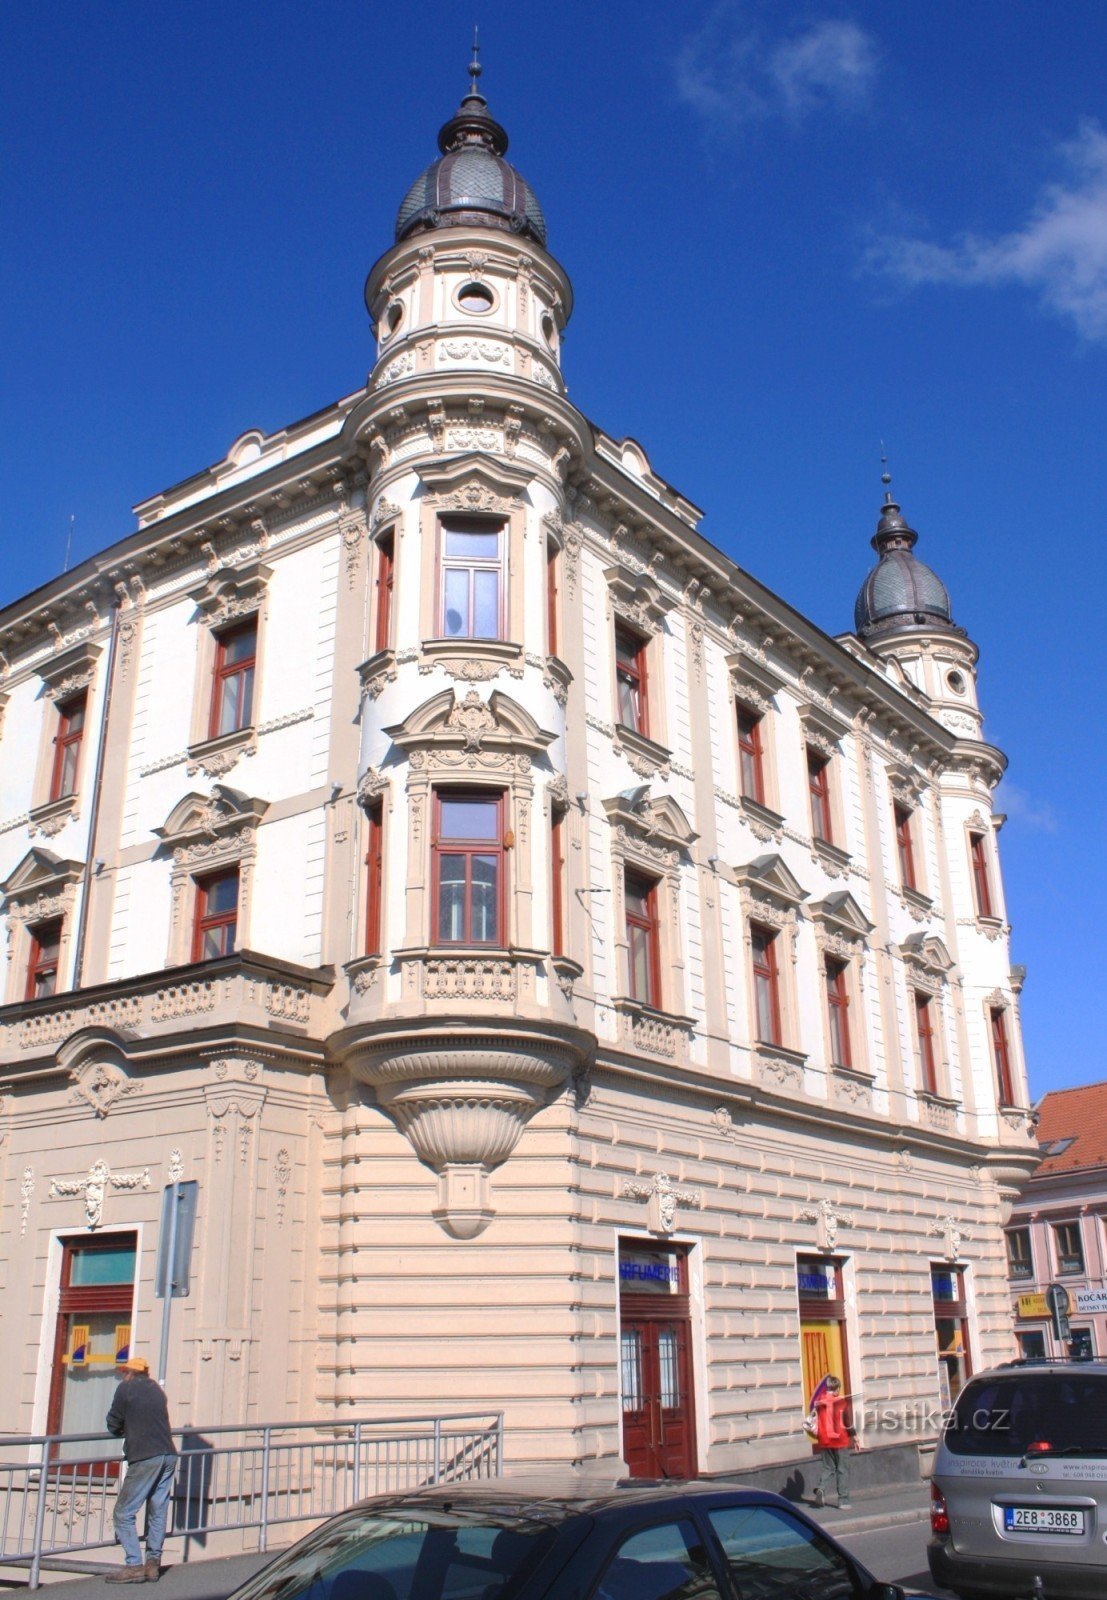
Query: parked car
{"x": 1019, "y": 1488}
{"x": 492, "y": 1541}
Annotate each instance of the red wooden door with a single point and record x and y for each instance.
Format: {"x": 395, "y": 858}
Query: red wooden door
{"x": 658, "y": 1427}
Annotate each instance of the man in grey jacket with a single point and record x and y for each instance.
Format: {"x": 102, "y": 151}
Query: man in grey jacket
{"x": 140, "y": 1416}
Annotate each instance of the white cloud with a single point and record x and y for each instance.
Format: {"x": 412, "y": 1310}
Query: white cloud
{"x": 1025, "y": 808}
{"x": 1060, "y": 251}
{"x": 732, "y": 70}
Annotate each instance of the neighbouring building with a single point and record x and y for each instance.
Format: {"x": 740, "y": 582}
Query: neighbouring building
{"x": 578, "y": 984}
{"x": 1056, "y": 1231}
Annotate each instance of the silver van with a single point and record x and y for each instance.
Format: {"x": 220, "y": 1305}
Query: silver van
{"x": 1019, "y": 1489}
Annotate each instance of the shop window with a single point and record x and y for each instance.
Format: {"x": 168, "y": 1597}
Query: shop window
{"x": 631, "y": 681}
{"x": 472, "y": 588}
{"x": 92, "y": 1336}
{"x": 558, "y": 868}
{"x": 67, "y": 747}
{"x": 374, "y": 878}
{"x": 43, "y": 959}
{"x": 818, "y": 785}
{"x": 1020, "y": 1264}
{"x": 766, "y": 984}
{"x": 751, "y": 755}
{"x": 951, "y": 1329}
{"x": 837, "y": 1003}
{"x": 643, "y": 939}
{"x": 1081, "y": 1344}
{"x": 216, "y": 922}
{"x": 822, "y": 1313}
{"x": 978, "y": 853}
{"x": 1001, "y": 1053}
{"x": 232, "y": 699}
{"x": 386, "y": 578}
{"x": 905, "y": 844}
{"x": 655, "y": 1360}
{"x": 1069, "y": 1248}
{"x": 925, "y": 1042}
{"x": 1032, "y": 1345}
{"x": 468, "y": 875}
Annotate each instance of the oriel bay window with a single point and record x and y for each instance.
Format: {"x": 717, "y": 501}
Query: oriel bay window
{"x": 42, "y": 962}
{"x": 471, "y": 579}
{"x": 836, "y": 974}
{"x": 643, "y": 939}
{"x": 751, "y": 755}
{"x": 215, "y": 928}
{"x": 67, "y": 746}
{"x": 468, "y": 867}
{"x": 232, "y": 698}
{"x": 766, "y": 984}
{"x": 631, "y": 682}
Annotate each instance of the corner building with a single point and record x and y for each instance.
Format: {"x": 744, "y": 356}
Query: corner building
{"x": 578, "y": 984}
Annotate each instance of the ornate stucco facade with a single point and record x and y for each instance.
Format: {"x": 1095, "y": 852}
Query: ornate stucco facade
{"x": 422, "y": 1143}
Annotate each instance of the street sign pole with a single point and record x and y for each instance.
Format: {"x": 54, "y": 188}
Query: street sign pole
{"x": 171, "y": 1258}
{"x": 1057, "y": 1299}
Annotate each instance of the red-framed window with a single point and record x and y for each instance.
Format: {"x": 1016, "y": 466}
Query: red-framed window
{"x": 631, "y": 680}
{"x": 42, "y": 961}
{"x": 374, "y": 878}
{"x": 232, "y": 697}
{"x": 92, "y": 1335}
{"x": 818, "y": 784}
{"x": 766, "y": 984}
{"x": 216, "y": 922}
{"x": 67, "y": 746}
{"x": 837, "y": 1003}
{"x": 1001, "y": 1050}
{"x": 751, "y": 756}
{"x": 643, "y": 938}
{"x": 925, "y": 1033}
{"x": 978, "y": 852}
{"x": 905, "y": 844}
{"x": 471, "y": 574}
{"x": 557, "y": 882}
{"x": 553, "y": 597}
{"x": 468, "y": 867}
{"x": 386, "y": 578}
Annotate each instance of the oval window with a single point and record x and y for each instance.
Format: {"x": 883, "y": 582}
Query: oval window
{"x": 956, "y": 681}
{"x": 475, "y": 297}
{"x": 549, "y": 332}
{"x": 393, "y": 318}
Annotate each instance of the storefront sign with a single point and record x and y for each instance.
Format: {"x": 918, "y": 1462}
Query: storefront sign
{"x": 644, "y": 1273}
{"x": 1091, "y": 1300}
{"x": 812, "y": 1281}
{"x": 1033, "y": 1305}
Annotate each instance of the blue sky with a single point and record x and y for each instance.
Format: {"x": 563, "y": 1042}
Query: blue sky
{"x": 793, "y": 231}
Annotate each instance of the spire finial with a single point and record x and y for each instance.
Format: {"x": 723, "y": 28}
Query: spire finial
{"x": 885, "y": 476}
{"x": 475, "y": 68}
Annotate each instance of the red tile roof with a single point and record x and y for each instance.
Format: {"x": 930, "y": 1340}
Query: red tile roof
{"x": 1079, "y": 1115}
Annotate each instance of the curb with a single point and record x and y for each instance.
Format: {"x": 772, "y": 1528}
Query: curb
{"x": 866, "y": 1524}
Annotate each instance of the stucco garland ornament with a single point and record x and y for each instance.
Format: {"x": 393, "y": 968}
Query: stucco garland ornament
{"x": 949, "y": 1228}
{"x": 94, "y": 1187}
{"x": 663, "y": 1200}
{"x": 473, "y": 719}
{"x": 827, "y": 1220}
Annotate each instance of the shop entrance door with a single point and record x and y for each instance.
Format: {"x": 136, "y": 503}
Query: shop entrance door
{"x": 659, "y": 1438}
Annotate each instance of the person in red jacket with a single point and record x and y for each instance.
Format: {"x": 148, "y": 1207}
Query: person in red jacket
{"x": 835, "y": 1436}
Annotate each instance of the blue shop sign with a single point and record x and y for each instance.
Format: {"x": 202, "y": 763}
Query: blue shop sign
{"x": 819, "y": 1283}
{"x": 649, "y": 1274}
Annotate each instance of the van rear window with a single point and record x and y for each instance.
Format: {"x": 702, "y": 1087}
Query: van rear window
{"x": 1031, "y": 1413}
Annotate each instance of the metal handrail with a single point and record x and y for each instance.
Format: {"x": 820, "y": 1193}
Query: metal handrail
{"x": 54, "y": 1503}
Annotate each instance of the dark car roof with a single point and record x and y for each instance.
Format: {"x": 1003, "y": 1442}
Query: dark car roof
{"x": 554, "y": 1498}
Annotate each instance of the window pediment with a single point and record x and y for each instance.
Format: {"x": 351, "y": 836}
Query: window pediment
{"x": 752, "y": 682}
{"x": 228, "y": 593}
{"x": 841, "y": 913}
{"x": 636, "y": 598}
{"x": 651, "y": 821}
{"x": 472, "y": 483}
{"x": 769, "y": 878}
{"x": 906, "y": 783}
{"x": 473, "y": 723}
{"x": 929, "y": 960}
{"x": 822, "y": 730}
{"x": 70, "y": 670}
{"x": 220, "y": 816}
{"x": 42, "y": 885}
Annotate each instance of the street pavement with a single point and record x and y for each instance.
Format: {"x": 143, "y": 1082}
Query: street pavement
{"x": 886, "y": 1529}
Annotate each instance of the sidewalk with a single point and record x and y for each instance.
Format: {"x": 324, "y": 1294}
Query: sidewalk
{"x": 216, "y": 1578}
